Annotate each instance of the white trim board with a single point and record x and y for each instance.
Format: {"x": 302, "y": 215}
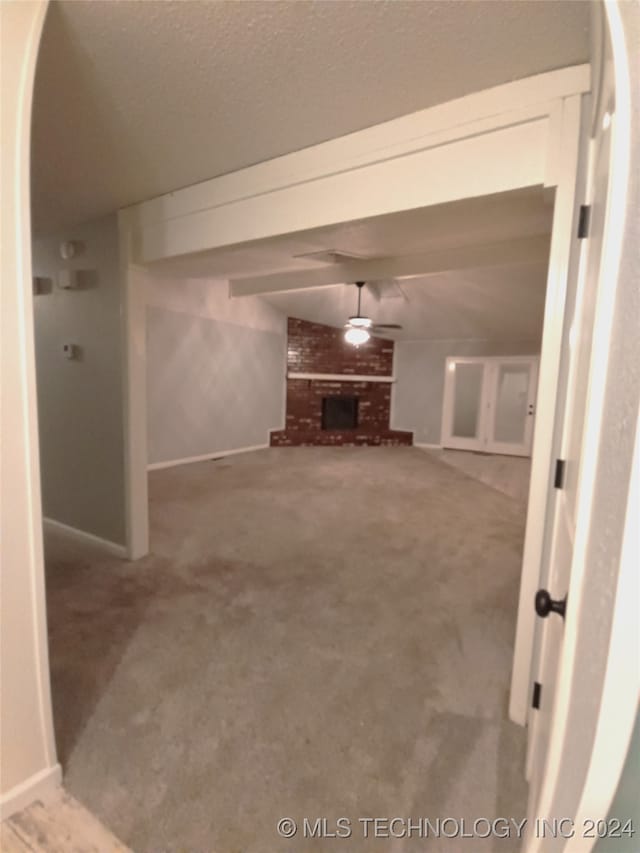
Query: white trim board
{"x": 206, "y": 457}
{"x": 426, "y": 446}
{"x": 41, "y": 786}
{"x": 112, "y": 548}
{"x": 340, "y": 377}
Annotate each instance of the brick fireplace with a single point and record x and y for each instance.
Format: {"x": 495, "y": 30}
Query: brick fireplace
{"x": 323, "y": 408}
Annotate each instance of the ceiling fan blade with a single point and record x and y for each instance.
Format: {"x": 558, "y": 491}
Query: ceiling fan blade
{"x": 377, "y": 326}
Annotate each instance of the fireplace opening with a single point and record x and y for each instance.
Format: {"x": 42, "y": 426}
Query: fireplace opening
{"x": 339, "y": 412}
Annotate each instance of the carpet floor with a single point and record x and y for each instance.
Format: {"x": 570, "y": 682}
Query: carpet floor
{"x": 317, "y": 633}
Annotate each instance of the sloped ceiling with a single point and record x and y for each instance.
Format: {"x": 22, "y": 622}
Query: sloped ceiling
{"x": 496, "y": 304}
{"x": 135, "y": 99}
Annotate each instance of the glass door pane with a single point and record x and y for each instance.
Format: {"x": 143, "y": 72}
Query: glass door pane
{"x": 466, "y": 400}
{"x": 511, "y": 403}
{"x": 512, "y": 394}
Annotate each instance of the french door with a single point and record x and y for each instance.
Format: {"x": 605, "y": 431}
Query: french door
{"x": 489, "y": 404}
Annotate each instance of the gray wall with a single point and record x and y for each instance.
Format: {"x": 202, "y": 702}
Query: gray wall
{"x": 417, "y": 394}
{"x": 80, "y": 402}
{"x": 215, "y": 370}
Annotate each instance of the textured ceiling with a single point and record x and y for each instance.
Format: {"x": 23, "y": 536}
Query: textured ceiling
{"x": 135, "y": 99}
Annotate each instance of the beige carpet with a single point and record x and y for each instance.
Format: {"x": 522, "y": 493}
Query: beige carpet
{"x": 317, "y": 633}
{"x": 507, "y": 474}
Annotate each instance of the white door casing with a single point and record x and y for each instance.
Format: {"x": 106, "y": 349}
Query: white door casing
{"x": 561, "y": 259}
{"x": 555, "y": 575}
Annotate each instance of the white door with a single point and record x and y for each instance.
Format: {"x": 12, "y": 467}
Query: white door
{"x": 511, "y": 399}
{"x": 572, "y": 501}
{"x": 489, "y": 404}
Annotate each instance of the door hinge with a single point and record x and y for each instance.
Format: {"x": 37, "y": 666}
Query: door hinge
{"x": 558, "y": 480}
{"x": 583, "y": 221}
{"x": 537, "y": 695}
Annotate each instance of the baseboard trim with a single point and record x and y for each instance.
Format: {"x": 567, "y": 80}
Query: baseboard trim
{"x": 425, "y": 446}
{"x": 105, "y": 545}
{"x": 41, "y": 786}
{"x": 157, "y": 466}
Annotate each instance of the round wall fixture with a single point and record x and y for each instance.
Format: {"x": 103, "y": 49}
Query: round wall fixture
{"x": 67, "y": 250}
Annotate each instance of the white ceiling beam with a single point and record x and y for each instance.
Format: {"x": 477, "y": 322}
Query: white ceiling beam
{"x": 525, "y": 250}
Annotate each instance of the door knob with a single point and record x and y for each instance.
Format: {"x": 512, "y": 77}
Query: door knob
{"x": 546, "y": 605}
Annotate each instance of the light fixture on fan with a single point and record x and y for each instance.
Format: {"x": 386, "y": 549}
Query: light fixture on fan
{"x": 359, "y": 329}
{"x": 356, "y": 336}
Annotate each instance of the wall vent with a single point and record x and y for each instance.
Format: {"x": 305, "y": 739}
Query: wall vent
{"x": 331, "y": 256}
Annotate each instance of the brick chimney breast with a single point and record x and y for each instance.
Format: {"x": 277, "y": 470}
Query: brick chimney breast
{"x": 322, "y": 355}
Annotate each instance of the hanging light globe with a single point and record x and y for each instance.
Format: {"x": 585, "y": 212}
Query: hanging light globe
{"x": 356, "y": 336}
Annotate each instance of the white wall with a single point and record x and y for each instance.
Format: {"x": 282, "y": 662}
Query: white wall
{"x": 215, "y": 369}
{"x": 418, "y": 392}
{"x": 80, "y": 401}
{"x": 27, "y": 748}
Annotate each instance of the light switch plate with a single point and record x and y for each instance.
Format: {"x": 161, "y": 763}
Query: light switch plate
{"x": 71, "y": 351}
{"x": 67, "y": 279}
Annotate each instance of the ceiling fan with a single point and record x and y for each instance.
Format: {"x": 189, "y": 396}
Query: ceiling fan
{"x": 360, "y": 328}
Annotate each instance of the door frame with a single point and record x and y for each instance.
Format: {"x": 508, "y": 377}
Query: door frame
{"x": 540, "y": 114}
{"x": 490, "y": 363}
